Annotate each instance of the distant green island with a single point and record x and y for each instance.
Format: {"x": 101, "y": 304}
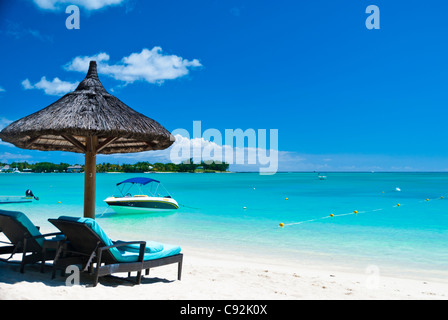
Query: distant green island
{"x": 139, "y": 167}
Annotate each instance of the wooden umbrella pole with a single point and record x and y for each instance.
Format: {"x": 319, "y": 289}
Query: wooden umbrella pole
{"x": 90, "y": 177}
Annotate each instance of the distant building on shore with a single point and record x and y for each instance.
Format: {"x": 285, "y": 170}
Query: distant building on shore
{"x": 74, "y": 169}
{"x": 6, "y": 168}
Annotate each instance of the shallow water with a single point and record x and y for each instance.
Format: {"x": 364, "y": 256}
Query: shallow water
{"x": 241, "y": 212}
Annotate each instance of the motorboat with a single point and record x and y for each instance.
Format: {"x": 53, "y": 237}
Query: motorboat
{"x": 151, "y": 196}
{"x": 322, "y": 177}
{"x": 15, "y": 199}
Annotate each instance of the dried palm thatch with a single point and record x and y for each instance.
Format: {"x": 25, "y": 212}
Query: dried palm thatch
{"x": 88, "y": 120}
{"x": 86, "y": 112}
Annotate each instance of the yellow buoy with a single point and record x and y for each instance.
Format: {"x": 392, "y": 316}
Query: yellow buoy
{"x": 331, "y": 215}
{"x": 287, "y": 199}
{"x": 427, "y": 199}
{"x": 281, "y": 225}
{"x": 59, "y": 201}
{"x": 441, "y": 197}
{"x": 355, "y": 211}
{"x": 398, "y": 204}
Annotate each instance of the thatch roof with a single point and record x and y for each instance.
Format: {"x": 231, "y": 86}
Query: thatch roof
{"x": 86, "y": 112}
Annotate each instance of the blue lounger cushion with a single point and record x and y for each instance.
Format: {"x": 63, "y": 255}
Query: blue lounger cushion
{"x": 128, "y": 253}
{"x": 23, "y": 219}
{"x": 132, "y": 256}
{"x": 151, "y": 247}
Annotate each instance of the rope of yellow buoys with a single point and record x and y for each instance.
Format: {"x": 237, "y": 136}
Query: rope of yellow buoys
{"x": 332, "y": 215}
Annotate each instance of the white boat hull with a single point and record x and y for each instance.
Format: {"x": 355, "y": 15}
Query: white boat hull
{"x": 15, "y": 199}
{"x": 141, "y": 204}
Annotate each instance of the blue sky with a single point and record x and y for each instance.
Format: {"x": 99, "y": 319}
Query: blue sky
{"x": 343, "y": 98}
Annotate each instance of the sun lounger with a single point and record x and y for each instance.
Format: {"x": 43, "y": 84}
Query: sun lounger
{"x": 90, "y": 245}
{"x": 24, "y": 238}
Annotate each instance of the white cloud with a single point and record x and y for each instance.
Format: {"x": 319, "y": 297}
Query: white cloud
{"x": 18, "y": 31}
{"x": 152, "y": 66}
{"x": 200, "y": 149}
{"x": 81, "y": 64}
{"x": 165, "y": 155}
{"x": 279, "y": 160}
{"x": 6, "y": 144}
{"x": 5, "y": 156}
{"x": 4, "y": 122}
{"x": 87, "y": 4}
{"x": 56, "y": 87}
{"x": 27, "y": 84}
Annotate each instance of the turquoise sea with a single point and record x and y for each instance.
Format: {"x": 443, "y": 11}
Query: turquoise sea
{"x": 241, "y": 213}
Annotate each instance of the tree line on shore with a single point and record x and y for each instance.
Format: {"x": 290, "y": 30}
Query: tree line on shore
{"x": 139, "y": 167}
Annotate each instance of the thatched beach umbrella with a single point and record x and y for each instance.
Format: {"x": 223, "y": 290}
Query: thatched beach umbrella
{"x": 88, "y": 120}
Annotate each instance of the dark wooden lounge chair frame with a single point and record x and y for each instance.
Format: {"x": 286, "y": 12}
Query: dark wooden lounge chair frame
{"x": 83, "y": 246}
{"x": 23, "y": 242}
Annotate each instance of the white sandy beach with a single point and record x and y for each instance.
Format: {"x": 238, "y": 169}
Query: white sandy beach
{"x": 213, "y": 276}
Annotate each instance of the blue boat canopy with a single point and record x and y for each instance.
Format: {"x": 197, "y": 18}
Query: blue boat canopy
{"x": 138, "y": 180}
